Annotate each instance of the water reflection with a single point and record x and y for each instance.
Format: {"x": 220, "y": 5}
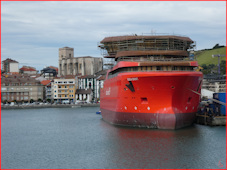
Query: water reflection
{"x": 151, "y": 149}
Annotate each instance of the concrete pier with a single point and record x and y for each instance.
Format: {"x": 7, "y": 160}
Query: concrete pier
{"x": 49, "y": 106}
{"x": 211, "y": 120}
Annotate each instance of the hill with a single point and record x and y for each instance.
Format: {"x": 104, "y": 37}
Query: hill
{"x": 205, "y": 56}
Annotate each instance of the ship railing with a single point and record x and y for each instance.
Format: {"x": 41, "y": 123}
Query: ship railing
{"x": 139, "y": 59}
{"x": 113, "y": 52}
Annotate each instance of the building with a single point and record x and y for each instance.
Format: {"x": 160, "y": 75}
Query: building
{"x": 9, "y": 66}
{"x": 85, "y": 83}
{"x": 84, "y": 95}
{"x": 99, "y": 85}
{"x": 215, "y": 83}
{"x": 49, "y": 73}
{"x": 63, "y": 89}
{"x": 28, "y": 70}
{"x": 47, "y": 90}
{"x": 21, "y": 89}
{"x": 93, "y": 82}
{"x": 70, "y": 65}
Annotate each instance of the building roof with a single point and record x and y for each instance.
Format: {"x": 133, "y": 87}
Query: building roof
{"x": 135, "y": 37}
{"x": 54, "y": 68}
{"x": 10, "y": 60}
{"x": 66, "y": 77}
{"x": 27, "y": 68}
{"x": 87, "y": 77}
{"x": 102, "y": 72}
{"x": 83, "y": 91}
{"x": 102, "y": 77}
{"x": 19, "y": 79}
{"x": 45, "y": 82}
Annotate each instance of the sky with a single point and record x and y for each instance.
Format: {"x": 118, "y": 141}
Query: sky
{"x": 32, "y": 32}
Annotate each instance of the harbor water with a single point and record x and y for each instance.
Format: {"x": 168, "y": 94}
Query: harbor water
{"x": 78, "y": 138}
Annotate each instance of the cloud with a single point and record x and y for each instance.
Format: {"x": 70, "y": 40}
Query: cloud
{"x": 37, "y": 29}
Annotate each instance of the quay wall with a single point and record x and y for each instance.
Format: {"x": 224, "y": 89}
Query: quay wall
{"x": 48, "y": 106}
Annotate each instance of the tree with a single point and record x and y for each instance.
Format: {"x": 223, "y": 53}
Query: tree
{"x": 216, "y": 46}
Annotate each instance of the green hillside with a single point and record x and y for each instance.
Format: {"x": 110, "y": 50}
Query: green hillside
{"x": 205, "y": 57}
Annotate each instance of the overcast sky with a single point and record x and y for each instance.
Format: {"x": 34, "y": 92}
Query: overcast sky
{"x": 32, "y": 32}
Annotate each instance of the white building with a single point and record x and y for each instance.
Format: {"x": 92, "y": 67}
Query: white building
{"x": 84, "y": 95}
{"x": 10, "y": 66}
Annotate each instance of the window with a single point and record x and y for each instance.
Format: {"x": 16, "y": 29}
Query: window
{"x": 159, "y": 67}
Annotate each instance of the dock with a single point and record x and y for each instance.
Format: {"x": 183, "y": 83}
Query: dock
{"x": 211, "y": 120}
{"x": 49, "y": 106}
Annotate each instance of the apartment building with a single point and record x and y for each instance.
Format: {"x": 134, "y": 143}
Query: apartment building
{"x": 93, "y": 82}
{"x": 63, "y": 89}
{"x": 9, "y": 66}
{"x": 47, "y": 89}
{"x": 20, "y": 88}
{"x": 70, "y": 65}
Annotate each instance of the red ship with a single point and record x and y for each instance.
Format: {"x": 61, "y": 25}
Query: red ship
{"x": 154, "y": 84}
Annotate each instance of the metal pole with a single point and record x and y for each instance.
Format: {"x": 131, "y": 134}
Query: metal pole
{"x": 219, "y": 64}
{"x": 218, "y": 55}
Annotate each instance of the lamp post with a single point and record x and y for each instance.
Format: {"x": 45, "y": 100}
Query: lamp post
{"x": 218, "y": 55}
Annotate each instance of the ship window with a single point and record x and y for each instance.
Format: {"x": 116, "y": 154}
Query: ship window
{"x": 144, "y": 68}
{"x": 174, "y": 68}
{"x": 135, "y": 68}
{"x": 159, "y": 68}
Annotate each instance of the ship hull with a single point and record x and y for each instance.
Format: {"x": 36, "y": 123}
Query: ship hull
{"x": 163, "y": 100}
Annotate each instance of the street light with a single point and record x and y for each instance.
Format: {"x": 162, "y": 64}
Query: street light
{"x": 218, "y": 55}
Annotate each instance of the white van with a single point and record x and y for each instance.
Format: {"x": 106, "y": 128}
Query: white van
{"x": 65, "y": 102}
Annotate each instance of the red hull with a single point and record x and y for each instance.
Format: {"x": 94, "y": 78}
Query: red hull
{"x": 158, "y": 99}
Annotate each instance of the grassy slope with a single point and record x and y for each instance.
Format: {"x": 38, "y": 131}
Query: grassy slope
{"x": 205, "y": 57}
